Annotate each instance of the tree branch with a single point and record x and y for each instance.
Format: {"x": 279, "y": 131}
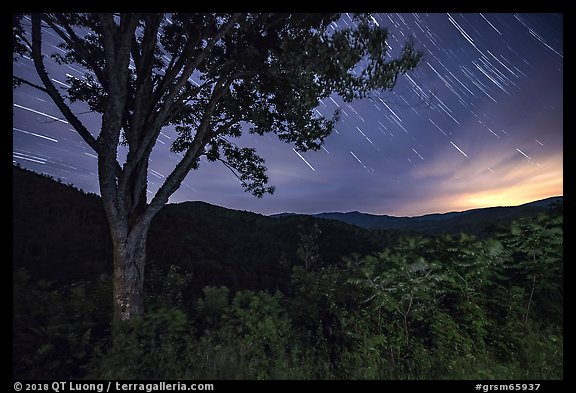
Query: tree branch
{"x": 20, "y": 80}
{"x": 231, "y": 168}
{"x": 144, "y": 82}
{"x": 189, "y": 68}
{"x": 160, "y": 117}
{"x": 23, "y": 38}
{"x": 117, "y": 43}
{"x": 174, "y": 67}
{"x": 194, "y": 152}
{"x": 72, "y": 39}
{"x": 51, "y": 89}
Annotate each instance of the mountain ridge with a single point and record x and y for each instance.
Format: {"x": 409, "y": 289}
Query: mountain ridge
{"x": 473, "y": 221}
{"x": 538, "y": 202}
{"x": 433, "y": 223}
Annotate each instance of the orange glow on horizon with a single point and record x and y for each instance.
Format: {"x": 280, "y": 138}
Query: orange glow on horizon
{"x": 504, "y": 198}
{"x": 534, "y": 187}
{"x": 472, "y": 186}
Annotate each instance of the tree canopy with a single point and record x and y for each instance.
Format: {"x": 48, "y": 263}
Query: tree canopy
{"x": 208, "y": 75}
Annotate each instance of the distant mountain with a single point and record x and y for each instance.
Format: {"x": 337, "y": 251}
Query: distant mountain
{"x": 473, "y": 221}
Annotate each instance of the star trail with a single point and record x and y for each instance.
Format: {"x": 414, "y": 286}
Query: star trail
{"x": 478, "y": 123}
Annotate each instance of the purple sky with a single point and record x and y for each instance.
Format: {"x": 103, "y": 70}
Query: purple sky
{"x": 478, "y": 123}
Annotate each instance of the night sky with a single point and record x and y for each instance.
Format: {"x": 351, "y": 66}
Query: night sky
{"x": 479, "y": 123}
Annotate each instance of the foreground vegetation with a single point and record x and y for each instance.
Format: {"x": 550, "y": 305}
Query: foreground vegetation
{"x": 445, "y": 307}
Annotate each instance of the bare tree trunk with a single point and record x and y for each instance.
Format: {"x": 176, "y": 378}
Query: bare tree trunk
{"x": 530, "y": 299}
{"x": 128, "y": 279}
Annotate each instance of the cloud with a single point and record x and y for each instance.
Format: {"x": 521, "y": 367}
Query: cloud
{"x": 492, "y": 178}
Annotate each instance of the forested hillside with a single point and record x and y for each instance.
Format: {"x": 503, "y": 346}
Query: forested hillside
{"x": 60, "y": 234}
{"x": 237, "y": 295}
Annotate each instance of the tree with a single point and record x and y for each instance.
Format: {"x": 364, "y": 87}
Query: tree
{"x": 308, "y": 248}
{"x": 208, "y": 76}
